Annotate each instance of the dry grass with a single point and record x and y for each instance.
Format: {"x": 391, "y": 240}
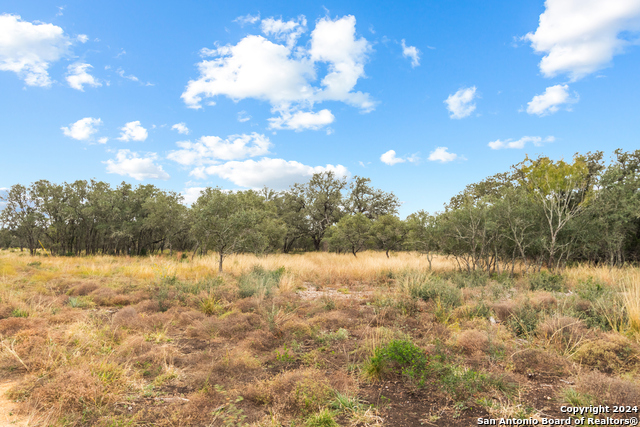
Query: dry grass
{"x": 90, "y": 337}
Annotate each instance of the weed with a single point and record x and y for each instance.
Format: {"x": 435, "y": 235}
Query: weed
{"x": 259, "y": 281}
{"x": 210, "y": 305}
{"x": 17, "y": 312}
{"x": 81, "y": 302}
{"x": 323, "y": 418}
{"x": 285, "y": 357}
{"x": 523, "y": 320}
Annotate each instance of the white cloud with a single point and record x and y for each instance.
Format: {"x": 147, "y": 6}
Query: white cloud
{"x": 579, "y": 37}
{"x": 460, "y": 104}
{"x": 247, "y": 19}
{"x": 129, "y": 163}
{"x": 300, "y": 120}
{"x": 412, "y": 53}
{"x": 131, "y": 77}
{"x": 191, "y": 194}
{"x": 82, "y": 38}
{"x": 103, "y": 140}
{"x": 29, "y": 49}
{"x": 82, "y": 129}
{"x": 284, "y": 74}
{"x": 287, "y": 31}
{"x": 551, "y": 100}
{"x": 441, "y": 155}
{"x": 278, "y": 174}
{"x": 181, "y": 128}
{"x": 212, "y": 149}
{"x": 520, "y": 143}
{"x": 133, "y": 131}
{"x": 243, "y": 116}
{"x": 77, "y": 76}
{"x": 390, "y": 158}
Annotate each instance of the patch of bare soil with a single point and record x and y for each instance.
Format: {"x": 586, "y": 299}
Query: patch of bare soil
{"x": 8, "y": 408}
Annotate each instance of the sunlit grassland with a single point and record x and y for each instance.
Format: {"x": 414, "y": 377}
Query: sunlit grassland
{"x": 302, "y": 337}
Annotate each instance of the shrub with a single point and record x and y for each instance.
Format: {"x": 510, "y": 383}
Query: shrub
{"x": 438, "y": 291}
{"x": 469, "y": 279}
{"x": 398, "y": 356}
{"x": 545, "y": 281}
{"x": 610, "y": 354}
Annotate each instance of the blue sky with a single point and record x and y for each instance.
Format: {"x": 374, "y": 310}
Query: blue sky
{"x": 422, "y": 97}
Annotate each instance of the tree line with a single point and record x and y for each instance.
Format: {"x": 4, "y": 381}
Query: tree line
{"x": 540, "y": 213}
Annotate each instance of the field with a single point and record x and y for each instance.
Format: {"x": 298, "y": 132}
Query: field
{"x": 316, "y": 339}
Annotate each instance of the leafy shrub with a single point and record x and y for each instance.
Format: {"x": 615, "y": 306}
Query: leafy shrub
{"x": 591, "y": 290}
{"x": 440, "y": 291}
{"x": 545, "y": 281}
{"x": 398, "y": 356}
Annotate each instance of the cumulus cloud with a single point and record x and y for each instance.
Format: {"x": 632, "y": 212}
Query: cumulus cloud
{"x": 285, "y": 74}
{"x": 278, "y": 174}
{"x": 103, "y": 140}
{"x": 82, "y": 38}
{"x": 578, "y": 37}
{"x": 77, "y": 76}
{"x": 287, "y": 31}
{"x": 460, "y": 104}
{"x": 191, "y": 194}
{"x": 133, "y": 131}
{"x": 520, "y": 143}
{"x": 181, "y": 128}
{"x": 390, "y": 158}
{"x": 441, "y": 155}
{"x": 213, "y": 149}
{"x": 82, "y": 129}
{"x": 412, "y": 53}
{"x": 28, "y": 49}
{"x": 551, "y": 100}
{"x": 128, "y": 163}
{"x": 302, "y": 120}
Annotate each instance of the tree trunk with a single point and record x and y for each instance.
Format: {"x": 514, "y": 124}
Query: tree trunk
{"x": 220, "y": 265}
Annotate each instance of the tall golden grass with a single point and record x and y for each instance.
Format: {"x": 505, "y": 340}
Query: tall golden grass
{"x": 318, "y": 268}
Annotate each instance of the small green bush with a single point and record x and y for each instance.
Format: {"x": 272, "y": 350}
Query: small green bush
{"x": 440, "y": 291}
{"x": 545, "y": 281}
{"x": 398, "y": 356}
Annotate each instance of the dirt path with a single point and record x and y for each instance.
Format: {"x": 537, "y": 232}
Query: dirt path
{"x": 8, "y": 408}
